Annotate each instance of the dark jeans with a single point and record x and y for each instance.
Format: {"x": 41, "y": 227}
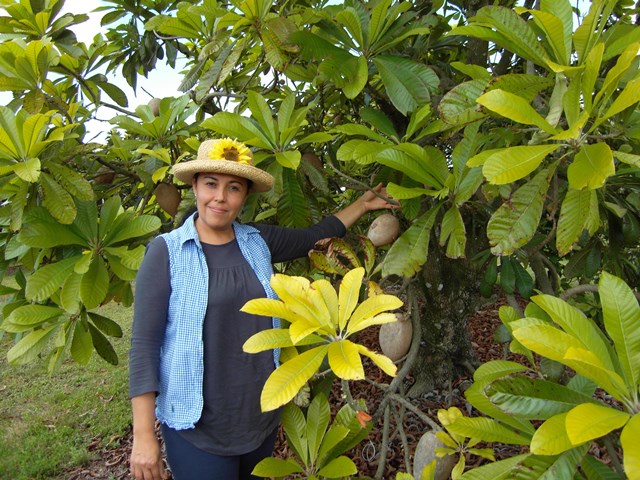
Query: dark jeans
{"x": 188, "y": 462}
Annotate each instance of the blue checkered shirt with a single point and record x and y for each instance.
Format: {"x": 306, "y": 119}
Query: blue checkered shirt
{"x": 180, "y": 400}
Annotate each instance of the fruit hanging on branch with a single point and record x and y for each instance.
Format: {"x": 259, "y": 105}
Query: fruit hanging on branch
{"x": 384, "y": 230}
{"x": 168, "y": 197}
{"x": 395, "y": 338}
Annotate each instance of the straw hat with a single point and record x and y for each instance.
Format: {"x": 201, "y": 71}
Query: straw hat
{"x": 227, "y": 156}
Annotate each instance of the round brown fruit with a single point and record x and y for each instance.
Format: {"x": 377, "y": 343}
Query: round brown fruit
{"x": 384, "y": 230}
{"x": 154, "y": 105}
{"x": 395, "y": 337}
{"x": 168, "y": 197}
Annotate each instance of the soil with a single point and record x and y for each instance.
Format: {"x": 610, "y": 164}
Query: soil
{"x": 112, "y": 463}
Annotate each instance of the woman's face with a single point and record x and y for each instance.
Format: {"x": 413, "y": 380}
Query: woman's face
{"x": 219, "y": 198}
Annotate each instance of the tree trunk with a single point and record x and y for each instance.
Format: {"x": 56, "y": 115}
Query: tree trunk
{"x": 451, "y": 295}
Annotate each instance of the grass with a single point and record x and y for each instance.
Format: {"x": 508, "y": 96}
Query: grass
{"x": 48, "y": 421}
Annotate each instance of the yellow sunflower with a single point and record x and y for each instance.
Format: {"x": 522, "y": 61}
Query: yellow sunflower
{"x": 229, "y": 149}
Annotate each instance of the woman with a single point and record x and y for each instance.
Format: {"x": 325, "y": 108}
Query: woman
{"x": 187, "y": 367}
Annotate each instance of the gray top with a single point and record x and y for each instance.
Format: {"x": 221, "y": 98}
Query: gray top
{"x": 231, "y": 422}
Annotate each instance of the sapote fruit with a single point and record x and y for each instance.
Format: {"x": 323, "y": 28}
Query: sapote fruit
{"x": 395, "y": 337}
{"x": 168, "y": 197}
{"x": 384, "y": 230}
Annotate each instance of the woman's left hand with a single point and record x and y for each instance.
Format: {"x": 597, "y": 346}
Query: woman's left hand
{"x": 377, "y": 202}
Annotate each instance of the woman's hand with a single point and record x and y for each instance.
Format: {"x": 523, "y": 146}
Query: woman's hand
{"x": 376, "y": 202}
{"x": 146, "y": 458}
{"x": 367, "y": 202}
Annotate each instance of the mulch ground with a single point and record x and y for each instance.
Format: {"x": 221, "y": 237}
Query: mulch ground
{"x": 113, "y": 463}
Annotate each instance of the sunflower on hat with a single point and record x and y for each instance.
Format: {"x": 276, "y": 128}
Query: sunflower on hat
{"x": 227, "y": 156}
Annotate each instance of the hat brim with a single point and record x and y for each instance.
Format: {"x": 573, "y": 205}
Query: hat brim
{"x": 262, "y": 181}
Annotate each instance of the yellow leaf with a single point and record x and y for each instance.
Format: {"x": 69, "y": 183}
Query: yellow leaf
{"x": 369, "y": 308}
{"x": 297, "y": 295}
{"x": 385, "y": 364}
{"x": 349, "y": 295}
{"x": 377, "y": 320}
{"x": 589, "y": 421}
{"x": 286, "y": 381}
{"x": 344, "y": 360}
{"x": 551, "y": 437}
{"x": 301, "y": 329}
{"x": 266, "y": 340}
{"x": 269, "y": 307}
{"x": 330, "y": 297}
{"x": 631, "y": 447}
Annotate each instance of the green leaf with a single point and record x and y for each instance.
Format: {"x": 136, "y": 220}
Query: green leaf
{"x": 513, "y": 163}
{"x": 103, "y": 346}
{"x": 48, "y": 279}
{"x": 70, "y": 293}
{"x": 486, "y": 429}
{"x": 476, "y": 394}
{"x": 514, "y": 108}
{"x": 28, "y": 317}
{"x": 292, "y": 205}
{"x": 339, "y": 468}
{"x": 137, "y": 227}
{"x": 409, "y": 84}
{"x": 631, "y": 446}
{"x": 425, "y": 165}
{"x": 579, "y": 211}
{"x": 318, "y": 416}
{"x": 622, "y": 322}
{"x": 628, "y": 97}
{"x": 289, "y": 158}
{"x": 577, "y": 324}
{"x": 295, "y": 427}
{"x": 591, "y": 166}
{"x": 41, "y": 230}
{"x": 590, "y": 421}
{"x": 106, "y": 325}
{"x": 358, "y": 78}
{"x": 333, "y": 438}
{"x": 30, "y": 346}
{"x": 235, "y": 126}
{"x": 94, "y": 284}
{"x": 285, "y": 382}
{"x": 495, "y": 470}
{"x": 276, "y": 467}
{"x": 378, "y": 120}
{"x": 533, "y": 399}
{"x": 81, "y": 344}
{"x": 459, "y": 106}
{"x": 515, "y": 222}
{"x": 28, "y": 170}
{"x": 71, "y": 181}
{"x": 261, "y": 112}
{"x": 453, "y": 233}
{"x": 409, "y": 252}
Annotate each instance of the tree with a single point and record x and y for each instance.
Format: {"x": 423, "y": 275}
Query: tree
{"x": 507, "y": 130}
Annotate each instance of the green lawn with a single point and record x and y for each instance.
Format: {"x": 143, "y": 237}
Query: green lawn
{"x": 47, "y": 421}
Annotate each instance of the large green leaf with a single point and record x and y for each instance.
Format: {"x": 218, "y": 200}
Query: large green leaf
{"x": 127, "y": 228}
{"x": 409, "y": 252}
{"x": 276, "y": 467}
{"x": 579, "y": 211}
{"x": 103, "y": 345}
{"x": 424, "y": 165}
{"x": 235, "y": 126}
{"x": 295, "y": 428}
{"x": 81, "y": 343}
{"x": 476, "y": 394}
{"x": 340, "y": 467}
{"x": 591, "y": 166}
{"x": 261, "y": 112}
{"x": 409, "y": 84}
{"x": 515, "y": 222}
{"x": 57, "y": 200}
{"x": 94, "y": 284}
{"x": 30, "y": 346}
{"x": 71, "y": 181}
{"x": 292, "y": 206}
{"x": 507, "y": 165}
{"x": 577, "y": 324}
{"x": 318, "y": 417}
{"x": 589, "y": 365}
{"x": 622, "y": 322}
{"x": 495, "y": 470}
{"x": 48, "y": 279}
{"x": 514, "y": 108}
{"x": 629, "y": 96}
{"x": 29, "y": 317}
{"x": 285, "y": 382}
{"x": 486, "y": 429}
{"x": 459, "y": 106}
{"x": 533, "y": 399}
{"x": 43, "y": 231}
{"x": 453, "y": 233}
